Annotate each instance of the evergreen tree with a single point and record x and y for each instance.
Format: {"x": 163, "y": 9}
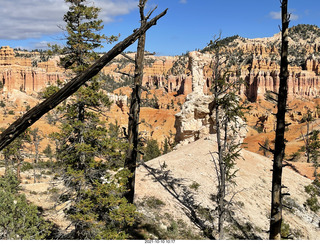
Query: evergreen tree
{"x": 86, "y": 152}
{"x": 49, "y": 154}
{"x": 35, "y": 139}
{"x": 226, "y": 111}
{"x": 314, "y": 147}
{"x": 308, "y": 118}
{"x": 166, "y": 146}
{"x": 314, "y": 188}
{"x": 152, "y": 150}
{"x": 13, "y": 156}
{"x": 82, "y": 26}
{"x": 19, "y": 220}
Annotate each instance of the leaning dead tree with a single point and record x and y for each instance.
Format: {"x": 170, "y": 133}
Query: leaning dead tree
{"x": 134, "y": 113}
{"x": 28, "y": 119}
{"x": 276, "y": 198}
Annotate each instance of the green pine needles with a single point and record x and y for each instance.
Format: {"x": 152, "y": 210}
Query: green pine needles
{"x": 89, "y": 155}
{"x": 19, "y": 220}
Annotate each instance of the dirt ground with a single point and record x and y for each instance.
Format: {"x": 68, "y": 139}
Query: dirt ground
{"x": 170, "y": 178}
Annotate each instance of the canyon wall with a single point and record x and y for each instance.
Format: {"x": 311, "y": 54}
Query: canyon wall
{"x": 19, "y": 74}
{"x": 174, "y": 74}
{"x": 261, "y": 73}
{"x": 260, "y": 76}
{"x": 263, "y": 76}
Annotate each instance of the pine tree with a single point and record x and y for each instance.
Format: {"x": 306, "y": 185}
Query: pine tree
{"x": 152, "y": 150}
{"x": 86, "y": 151}
{"x": 314, "y": 150}
{"x": 34, "y": 114}
{"x": 226, "y": 111}
{"x": 49, "y": 154}
{"x": 314, "y": 188}
{"x": 19, "y": 220}
{"x": 35, "y": 139}
{"x": 308, "y": 118}
{"x": 82, "y": 26}
{"x": 13, "y": 156}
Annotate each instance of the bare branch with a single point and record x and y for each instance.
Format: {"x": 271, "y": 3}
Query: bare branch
{"x": 216, "y": 168}
{"x": 123, "y": 73}
{"x": 150, "y": 12}
{"x": 98, "y": 111}
{"x": 265, "y": 148}
{"x": 128, "y": 57}
{"x": 142, "y": 4}
{"x": 286, "y": 206}
{"x": 275, "y": 93}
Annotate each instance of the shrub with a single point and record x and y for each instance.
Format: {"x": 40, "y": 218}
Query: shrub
{"x": 194, "y": 186}
{"x": 314, "y": 192}
{"x": 26, "y": 166}
{"x": 153, "y": 202}
{"x": 19, "y": 219}
{"x": 152, "y": 150}
{"x": 2, "y": 104}
{"x": 285, "y": 230}
{"x": 295, "y": 156}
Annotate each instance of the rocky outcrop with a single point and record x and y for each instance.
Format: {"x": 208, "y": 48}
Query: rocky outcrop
{"x": 305, "y": 83}
{"x": 196, "y": 120}
{"x": 18, "y": 73}
{"x": 313, "y": 65}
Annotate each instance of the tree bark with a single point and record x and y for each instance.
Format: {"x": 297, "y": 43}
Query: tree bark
{"x": 221, "y": 142}
{"x": 33, "y": 115}
{"x": 134, "y": 114}
{"x": 276, "y": 198}
{"x": 222, "y": 181}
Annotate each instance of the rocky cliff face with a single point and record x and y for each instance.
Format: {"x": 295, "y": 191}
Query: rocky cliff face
{"x": 196, "y": 120}
{"x": 18, "y": 73}
{"x": 262, "y": 76}
{"x": 259, "y": 59}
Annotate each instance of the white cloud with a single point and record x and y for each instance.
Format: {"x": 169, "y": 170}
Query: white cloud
{"x": 277, "y": 15}
{"x": 21, "y": 19}
{"x": 183, "y": 1}
{"x": 113, "y": 8}
{"x": 294, "y": 17}
{"x": 41, "y": 45}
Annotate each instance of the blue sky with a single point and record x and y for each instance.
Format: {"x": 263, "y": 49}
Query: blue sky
{"x": 188, "y": 25}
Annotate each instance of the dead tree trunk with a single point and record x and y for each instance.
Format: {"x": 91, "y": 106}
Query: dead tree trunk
{"x": 33, "y": 115}
{"x": 222, "y": 167}
{"x": 134, "y": 114}
{"x": 222, "y": 180}
{"x": 276, "y": 198}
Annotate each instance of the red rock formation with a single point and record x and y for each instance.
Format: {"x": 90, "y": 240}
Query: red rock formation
{"x": 18, "y": 73}
{"x": 261, "y": 73}
{"x": 313, "y": 65}
{"x": 301, "y": 83}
